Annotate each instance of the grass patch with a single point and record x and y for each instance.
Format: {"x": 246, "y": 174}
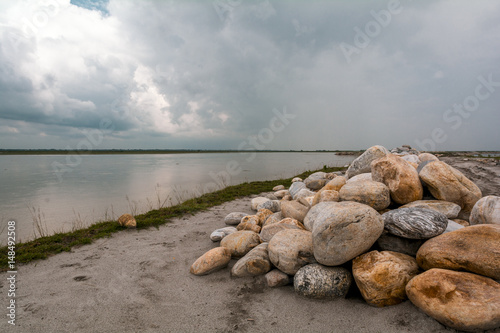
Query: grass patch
{"x": 43, "y": 247}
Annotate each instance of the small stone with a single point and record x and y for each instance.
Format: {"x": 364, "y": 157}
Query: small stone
{"x": 263, "y": 214}
{"x": 317, "y": 281}
{"x": 316, "y": 184}
{"x": 304, "y": 193}
{"x": 295, "y": 188}
{"x": 368, "y": 192}
{"x": 399, "y": 176}
{"x": 127, "y": 220}
{"x": 382, "y": 276}
{"x": 447, "y": 208}
{"x": 343, "y": 230}
{"x": 486, "y": 211}
{"x": 240, "y": 242}
{"x": 272, "y": 205}
{"x": 281, "y": 194}
{"x": 252, "y": 219}
{"x": 257, "y": 201}
{"x": 269, "y": 231}
{"x": 294, "y": 209}
{"x": 296, "y": 179}
{"x": 219, "y": 234}
{"x": 211, "y": 261}
{"x": 254, "y": 263}
{"x": 274, "y": 218}
{"x": 234, "y": 218}
{"x": 329, "y": 195}
{"x": 291, "y": 249}
{"x": 460, "y": 300}
{"x": 362, "y": 163}
{"x": 415, "y": 223}
{"x": 278, "y": 188}
{"x": 249, "y": 226}
{"x": 475, "y": 249}
{"x": 412, "y": 159}
{"x": 277, "y": 278}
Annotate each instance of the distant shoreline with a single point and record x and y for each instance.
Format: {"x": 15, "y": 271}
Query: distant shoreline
{"x": 154, "y": 151}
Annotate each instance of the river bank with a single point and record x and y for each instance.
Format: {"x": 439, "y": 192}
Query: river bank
{"x": 139, "y": 281}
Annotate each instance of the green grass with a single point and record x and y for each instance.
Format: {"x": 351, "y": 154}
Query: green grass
{"x": 42, "y": 248}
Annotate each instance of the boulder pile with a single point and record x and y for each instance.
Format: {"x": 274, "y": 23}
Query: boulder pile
{"x": 397, "y": 224}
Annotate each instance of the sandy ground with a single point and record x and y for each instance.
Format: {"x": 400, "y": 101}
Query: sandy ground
{"x": 139, "y": 281}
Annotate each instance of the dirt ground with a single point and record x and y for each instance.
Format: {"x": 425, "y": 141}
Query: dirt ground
{"x": 139, "y": 281}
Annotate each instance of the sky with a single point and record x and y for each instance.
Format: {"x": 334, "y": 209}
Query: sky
{"x": 241, "y": 74}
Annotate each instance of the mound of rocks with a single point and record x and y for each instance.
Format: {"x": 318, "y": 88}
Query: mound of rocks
{"x": 389, "y": 224}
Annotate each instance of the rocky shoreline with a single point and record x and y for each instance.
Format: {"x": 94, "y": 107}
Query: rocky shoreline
{"x": 397, "y": 224}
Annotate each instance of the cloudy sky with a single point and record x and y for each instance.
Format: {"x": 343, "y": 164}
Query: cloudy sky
{"x": 229, "y": 74}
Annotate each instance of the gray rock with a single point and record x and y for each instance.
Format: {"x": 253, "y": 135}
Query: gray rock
{"x": 361, "y": 176}
{"x": 316, "y": 180}
{"x": 257, "y": 201}
{"x": 362, "y": 163}
{"x": 234, "y": 218}
{"x": 317, "y": 281}
{"x": 447, "y": 208}
{"x": 453, "y": 226}
{"x": 389, "y": 242}
{"x": 344, "y": 230}
{"x": 273, "y": 205}
{"x": 486, "y": 211}
{"x": 423, "y": 164}
{"x": 304, "y": 193}
{"x": 312, "y": 214}
{"x": 295, "y": 188}
{"x": 415, "y": 223}
{"x": 219, "y": 234}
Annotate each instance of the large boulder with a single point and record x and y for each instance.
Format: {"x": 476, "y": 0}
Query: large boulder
{"x": 427, "y": 157}
{"x": 368, "y": 192}
{"x": 362, "y": 163}
{"x": 382, "y": 276}
{"x": 211, "y": 261}
{"x": 294, "y": 210}
{"x": 415, "y": 223}
{"x": 291, "y": 249}
{"x": 486, "y": 211}
{"x": 240, "y": 242}
{"x": 460, "y": 300}
{"x": 447, "y": 208}
{"x": 316, "y": 180}
{"x": 256, "y": 262}
{"x": 475, "y": 249}
{"x": 317, "y": 281}
{"x": 344, "y": 230}
{"x": 447, "y": 183}
{"x": 361, "y": 176}
{"x": 295, "y": 188}
{"x": 269, "y": 231}
{"x": 401, "y": 178}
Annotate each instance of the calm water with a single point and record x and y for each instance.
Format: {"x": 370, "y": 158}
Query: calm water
{"x": 68, "y": 193}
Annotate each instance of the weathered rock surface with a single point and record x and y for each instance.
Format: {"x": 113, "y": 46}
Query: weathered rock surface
{"x": 251, "y": 219}
{"x": 257, "y": 201}
{"x": 427, "y": 157}
{"x": 382, "y": 276}
{"x": 218, "y": 234}
{"x": 127, "y": 220}
{"x": 452, "y": 226}
{"x": 296, "y": 179}
{"x": 399, "y": 176}
{"x": 288, "y": 223}
{"x": 362, "y": 163}
{"x": 447, "y": 208}
{"x": 368, "y": 192}
{"x": 335, "y": 184}
{"x": 294, "y": 209}
{"x": 256, "y": 262}
{"x": 486, "y": 211}
{"x": 280, "y": 194}
{"x": 361, "y": 176}
{"x": 327, "y": 195}
{"x": 249, "y": 226}
{"x": 447, "y": 183}
{"x": 274, "y": 218}
{"x": 411, "y": 158}
{"x": 277, "y": 278}
{"x": 389, "y": 242}
{"x": 415, "y": 223}
{"x": 316, "y": 180}
{"x": 278, "y": 188}
{"x": 317, "y": 281}
{"x": 312, "y": 214}
{"x": 272, "y": 205}
{"x": 291, "y": 249}
{"x": 304, "y": 193}
{"x": 211, "y": 261}
{"x": 343, "y": 230}
{"x": 295, "y": 188}
{"x": 234, "y": 218}
{"x": 263, "y": 214}
{"x": 240, "y": 242}
{"x": 475, "y": 249}
{"x": 459, "y": 300}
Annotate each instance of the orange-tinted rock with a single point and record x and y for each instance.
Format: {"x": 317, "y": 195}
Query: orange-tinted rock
{"x": 270, "y": 230}
{"x": 460, "y": 300}
{"x": 256, "y": 262}
{"x": 127, "y": 220}
{"x": 291, "y": 249}
{"x": 240, "y": 242}
{"x": 294, "y": 209}
{"x": 368, "y": 192}
{"x": 401, "y": 178}
{"x": 475, "y": 249}
{"x": 382, "y": 276}
{"x": 211, "y": 261}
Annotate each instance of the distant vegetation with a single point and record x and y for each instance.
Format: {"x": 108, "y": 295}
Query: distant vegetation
{"x": 154, "y": 151}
